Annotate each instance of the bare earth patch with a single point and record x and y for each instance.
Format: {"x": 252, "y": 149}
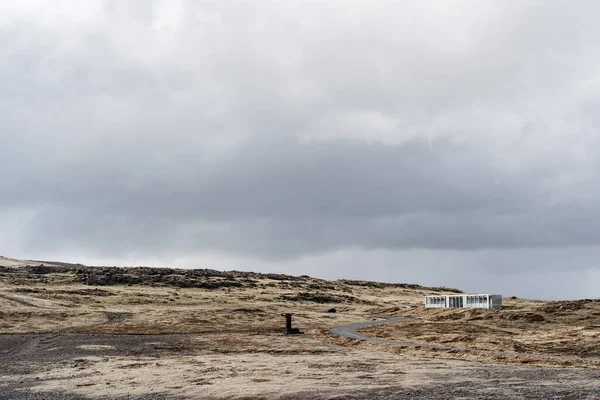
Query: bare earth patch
{"x": 69, "y": 331}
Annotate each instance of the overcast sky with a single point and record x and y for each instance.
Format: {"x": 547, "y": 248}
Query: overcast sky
{"x": 444, "y": 142}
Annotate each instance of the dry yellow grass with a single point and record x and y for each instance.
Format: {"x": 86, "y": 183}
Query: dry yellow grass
{"x": 209, "y": 334}
{"x": 56, "y": 300}
{"x": 566, "y": 328}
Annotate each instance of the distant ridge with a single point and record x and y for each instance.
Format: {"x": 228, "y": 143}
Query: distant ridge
{"x": 14, "y": 263}
{"x": 177, "y": 277}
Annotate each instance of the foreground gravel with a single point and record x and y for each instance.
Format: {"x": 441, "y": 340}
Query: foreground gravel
{"x": 24, "y": 356}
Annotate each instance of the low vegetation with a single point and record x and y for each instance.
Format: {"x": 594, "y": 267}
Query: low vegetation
{"x": 570, "y": 328}
{"x": 152, "y": 332}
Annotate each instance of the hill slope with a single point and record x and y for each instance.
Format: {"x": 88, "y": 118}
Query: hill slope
{"x": 70, "y": 330}
{"x": 36, "y": 296}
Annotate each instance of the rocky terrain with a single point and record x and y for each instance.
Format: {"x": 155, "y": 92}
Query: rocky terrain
{"x": 73, "y": 331}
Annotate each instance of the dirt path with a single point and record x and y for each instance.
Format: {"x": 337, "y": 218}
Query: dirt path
{"x": 350, "y": 331}
{"x": 18, "y": 301}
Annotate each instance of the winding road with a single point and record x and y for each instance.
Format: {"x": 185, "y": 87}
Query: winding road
{"x": 350, "y": 331}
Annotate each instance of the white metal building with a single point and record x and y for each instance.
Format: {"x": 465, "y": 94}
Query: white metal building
{"x": 464, "y": 301}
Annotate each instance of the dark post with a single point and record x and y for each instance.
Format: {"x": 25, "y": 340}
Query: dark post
{"x": 288, "y": 322}
{"x": 288, "y": 326}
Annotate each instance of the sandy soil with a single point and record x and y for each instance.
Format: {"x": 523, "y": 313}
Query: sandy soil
{"x": 238, "y": 366}
{"x": 69, "y": 331}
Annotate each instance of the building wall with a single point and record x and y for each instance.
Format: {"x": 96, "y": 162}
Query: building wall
{"x": 464, "y": 301}
{"x": 436, "y": 301}
{"x": 496, "y": 301}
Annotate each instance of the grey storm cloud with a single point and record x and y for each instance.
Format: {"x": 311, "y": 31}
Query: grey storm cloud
{"x": 281, "y": 132}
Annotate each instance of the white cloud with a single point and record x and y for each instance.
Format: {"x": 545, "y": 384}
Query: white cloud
{"x": 282, "y": 131}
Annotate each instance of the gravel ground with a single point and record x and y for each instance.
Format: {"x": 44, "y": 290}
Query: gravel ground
{"x": 19, "y": 351}
{"x": 487, "y": 382}
{"x": 27, "y": 354}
